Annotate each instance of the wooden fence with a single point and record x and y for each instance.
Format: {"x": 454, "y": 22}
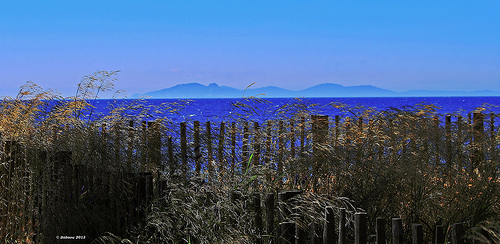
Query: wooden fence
{"x": 224, "y": 150}
{"x": 335, "y": 229}
{"x": 66, "y": 180}
{"x": 145, "y": 155}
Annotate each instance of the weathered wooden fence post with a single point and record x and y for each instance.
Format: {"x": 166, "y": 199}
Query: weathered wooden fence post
{"x": 155, "y": 146}
{"x": 184, "y": 151}
{"x": 320, "y": 133}
{"x": 281, "y": 151}
{"x": 439, "y": 235}
{"x": 459, "y": 152}
{"x": 359, "y": 140}
{"x": 196, "y": 141}
{"x": 292, "y": 171}
{"x": 171, "y": 156}
{"x": 220, "y": 153}
{"x": 287, "y": 233}
{"x": 267, "y": 156}
{"x": 417, "y": 234}
{"x": 144, "y": 147}
{"x": 234, "y": 196}
{"x": 117, "y": 143}
{"x": 478, "y": 139}
{"x": 144, "y": 193}
{"x": 208, "y": 141}
{"x": 437, "y": 139}
{"x": 342, "y": 228}
{"x": 380, "y": 230}
{"x": 245, "y": 146}
{"x": 258, "y": 217}
{"x": 329, "y": 235}
{"x": 360, "y": 228}
{"x": 457, "y": 235}
{"x": 233, "y": 148}
{"x": 270, "y": 217}
{"x": 130, "y": 144}
{"x": 337, "y": 130}
{"x": 493, "y": 145}
{"x": 256, "y": 143}
{"x": 292, "y": 138}
{"x": 397, "y": 231}
{"x": 288, "y": 229}
{"x": 448, "y": 139}
{"x": 302, "y": 135}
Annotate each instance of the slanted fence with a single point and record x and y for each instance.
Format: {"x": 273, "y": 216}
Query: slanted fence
{"x": 135, "y": 162}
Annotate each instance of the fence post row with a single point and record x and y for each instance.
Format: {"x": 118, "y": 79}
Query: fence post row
{"x": 290, "y": 232}
{"x": 69, "y": 183}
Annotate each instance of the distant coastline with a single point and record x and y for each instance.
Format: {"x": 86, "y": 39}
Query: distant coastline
{"x": 213, "y": 90}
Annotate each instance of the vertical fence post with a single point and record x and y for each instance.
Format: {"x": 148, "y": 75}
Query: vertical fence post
{"x": 439, "y": 235}
{"x": 417, "y": 234}
{"x": 292, "y": 138}
{"x": 149, "y": 188}
{"x": 337, "y": 130}
{"x": 171, "y": 156}
{"x": 380, "y": 230}
{"x": 209, "y": 150}
{"x": 397, "y": 231}
{"x": 469, "y": 133}
{"x": 300, "y": 233}
{"x": 157, "y": 144}
{"x": 347, "y": 143}
{"x": 281, "y": 151}
{"x": 184, "y": 151}
{"x": 329, "y": 235}
{"x": 196, "y": 141}
{"x": 258, "y": 217}
{"x": 287, "y": 233}
{"x": 359, "y": 140}
{"x": 360, "y": 228}
{"x": 270, "y": 215}
{"x": 449, "y": 155}
{"x": 234, "y": 195}
{"x": 319, "y": 132}
{"x": 116, "y": 142}
{"x": 288, "y": 229}
{"x": 436, "y": 140}
{"x": 459, "y": 140}
{"x": 130, "y": 144}
{"x": 233, "y": 148}
{"x": 493, "y": 142}
{"x": 220, "y": 155}
{"x": 302, "y": 135}
{"x": 267, "y": 156}
{"x": 316, "y": 236}
{"x": 342, "y": 228}
{"x": 256, "y": 143}
{"x": 457, "y": 233}
{"x": 293, "y": 171}
{"x": 478, "y": 139}
{"x": 144, "y": 147}
{"x": 245, "y": 146}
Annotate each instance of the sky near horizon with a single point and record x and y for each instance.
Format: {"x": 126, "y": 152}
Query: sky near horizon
{"x": 395, "y": 45}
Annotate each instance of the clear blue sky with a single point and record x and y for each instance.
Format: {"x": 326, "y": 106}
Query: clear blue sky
{"x": 397, "y": 45}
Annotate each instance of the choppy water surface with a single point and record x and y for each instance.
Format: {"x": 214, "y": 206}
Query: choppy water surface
{"x": 227, "y": 110}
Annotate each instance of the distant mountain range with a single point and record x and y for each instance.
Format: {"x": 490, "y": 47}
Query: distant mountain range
{"x": 196, "y": 90}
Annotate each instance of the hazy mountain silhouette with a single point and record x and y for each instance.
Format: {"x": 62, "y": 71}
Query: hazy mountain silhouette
{"x": 196, "y": 90}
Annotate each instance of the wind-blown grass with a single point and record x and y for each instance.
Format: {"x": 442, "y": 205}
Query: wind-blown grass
{"x": 399, "y": 162}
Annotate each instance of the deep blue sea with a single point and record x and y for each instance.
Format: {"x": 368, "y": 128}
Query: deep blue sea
{"x": 216, "y": 110}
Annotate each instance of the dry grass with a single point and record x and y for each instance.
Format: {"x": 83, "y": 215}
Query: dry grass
{"x": 393, "y": 163}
